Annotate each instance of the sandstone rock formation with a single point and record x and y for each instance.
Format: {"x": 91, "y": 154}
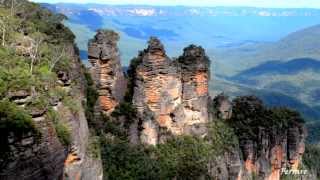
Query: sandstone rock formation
{"x": 78, "y": 163}
{"x": 106, "y": 69}
{"x": 267, "y": 147}
{"x": 267, "y": 156}
{"x": 194, "y": 68}
{"x": 170, "y": 95}
{"x": 30, "y": 159}
{"x": 42, "y": 155}
{"x": 222, "y": 106}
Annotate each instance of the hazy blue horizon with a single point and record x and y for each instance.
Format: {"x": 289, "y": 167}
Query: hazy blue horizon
{"x": 313, "y": 4}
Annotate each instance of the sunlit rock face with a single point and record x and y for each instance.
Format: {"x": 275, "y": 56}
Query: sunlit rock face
{"x": 106, "y": 69}
{"x": 164, "y": 98}
{"x": 194, "y": 68}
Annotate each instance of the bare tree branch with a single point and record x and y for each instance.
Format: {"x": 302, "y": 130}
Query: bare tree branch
{"x": 58, "y": 54}
{"x": 34, "y": 53}
{"x": 3, "y": 29}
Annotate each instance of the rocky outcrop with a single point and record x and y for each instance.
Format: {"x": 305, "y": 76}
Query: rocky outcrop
{"x": 222, "y": 107}
{"x": 106, "y": 69}
{"x": 170, "y": 94}
{"x": 268, "y": 144}
{"x": 157, "y": 93}
{"x": 33, "y": 157}
{"x": 42, "y": 154}
{"x": 78, "y": 163}
{"x": 194, "y": 68}
{"x": 227, "y": 166}
{"x": 272, "y": 152}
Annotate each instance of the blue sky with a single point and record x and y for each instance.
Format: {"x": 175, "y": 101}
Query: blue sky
{"x": 255, "y": 3}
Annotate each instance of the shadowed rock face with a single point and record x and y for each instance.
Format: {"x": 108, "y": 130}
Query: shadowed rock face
{"x": 42, "y": 155}
{"x": 106, "y": 69}
{"x": 273, "y": 151}
{"x": 31, "y": 158}
{"x": 268, "y": 147}
{"x": 164, "y": 97}
{"x": 223, "y": 107}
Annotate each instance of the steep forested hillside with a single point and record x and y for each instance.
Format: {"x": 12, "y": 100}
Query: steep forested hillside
{"x": 298, "y": 78}
{"x": 43, "y": 129}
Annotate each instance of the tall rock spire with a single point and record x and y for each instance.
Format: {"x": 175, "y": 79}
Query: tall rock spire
{"x": 170, "y": 95}
{"x": 194, "y": 66}
{"x": 106, "y": 69}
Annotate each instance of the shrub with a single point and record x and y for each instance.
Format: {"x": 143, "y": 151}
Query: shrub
{"x": 15, "y": 121}
{"x": 62, "y": 130}
{"x": 249, "y": 114}
{"x": 94, "y": 149}
{"x": 112, "y": 126}
{"x": 183, "y": 157}
{"x": 92, "y": 97}
{"x": 72, "y": 104}
{"x": 14, "y": 73}
{"x": 63, "y": 133}
{"x": 127, "y": 110}
{"x": 39, "y": 102}
{"x": 222, "y": 137}
{"x": 311, "y": 158}
{"x": 122, "y": 160}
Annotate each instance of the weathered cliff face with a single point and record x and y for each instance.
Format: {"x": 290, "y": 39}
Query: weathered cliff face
{"x": 78, "y": 164}
{"x": 170, "y": 95}
{"x": 106, "y": 69}
{"x": 222, "y": 107}
{"x": 43, "y": 155}
{"x": 33, "y": 157}
{"x": 268, "y": 155}
{"x": 171, "y": 98}
{"x": 194, "y": 68}
{"x": 271, "y": 148}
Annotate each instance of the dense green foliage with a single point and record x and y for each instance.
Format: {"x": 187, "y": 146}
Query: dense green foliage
{"x": 221, "y": 136}
{"x": 311, "y": 158}
{"x": 94, "y": 149}
{"x": 14, "y": 73}
{"x": 182, "y": 157}
{"x": 249, "y": 114}
{"x": 122, "y": 160}
{"x": 32, "y": 51}
{"x": 92, "y": 97}
{"x": 313, "y": 132}
{"x": 14, "y": 123}
{"x": 62, "y": 130}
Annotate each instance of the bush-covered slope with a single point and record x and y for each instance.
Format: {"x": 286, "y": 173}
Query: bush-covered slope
{"x": 41, "y": 91}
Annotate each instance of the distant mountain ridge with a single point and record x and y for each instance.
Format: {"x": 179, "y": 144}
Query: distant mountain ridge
{"x": 297, "y": 45}
{"x": 297, "y": 78}
{"x": 238, "y": 55}
{"x": 272, "y": 98}
{"x": 291, "y": 67}
{"x": 145, "y": 10}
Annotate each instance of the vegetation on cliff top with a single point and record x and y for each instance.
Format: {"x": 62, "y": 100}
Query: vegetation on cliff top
{"x": 311, "y": 158}
{"x": 14, "y": 123}
{"x": 182, "y": 157}
{"x": 249, "y": 114}
{"x": 34, "y": 48}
